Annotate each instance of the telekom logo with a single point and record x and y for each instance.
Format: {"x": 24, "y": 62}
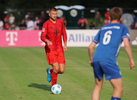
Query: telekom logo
{"x": 11, "y": 37}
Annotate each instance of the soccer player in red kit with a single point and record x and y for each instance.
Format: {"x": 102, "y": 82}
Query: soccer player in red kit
{"x": 52, "y": 32}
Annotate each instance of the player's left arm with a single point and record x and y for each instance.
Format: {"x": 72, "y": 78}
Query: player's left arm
{"x": 64, "y": 37}
{"x": 129, "y": 52}
{"x": 126, "y": 38}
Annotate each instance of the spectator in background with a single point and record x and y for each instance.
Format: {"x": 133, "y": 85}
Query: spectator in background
{"x": 27, "y": 16}
{"x": 12, "y": 27}
{"x": 107, "y": 17}
{"x": 123, "y": 10}
{"x": 1, "y": 24}
{"x": 11, "y": 19}
{"x": 6, "y": 19}
{"x": 61, "y": 18}
{"x": 30, "y": 24}
{"x": 22, "y": 25}
{"x": 6, "y": 26}
{"x": 36, "y": 23}
{"x": 98, "y": 19}
{"x": 82, "y": 22}
{"x": 42, "y": 17}
{"x": 40, "y": 24}
{"x": 64, "y": 21}
{"x": 91, "y": 25}
{"x": 132, "y": 25}
{"x": 136, "y": 26}
{"x": 134, "y": 18}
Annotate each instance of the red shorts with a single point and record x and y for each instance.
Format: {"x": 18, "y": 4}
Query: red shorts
{"x": 55, "y": 56}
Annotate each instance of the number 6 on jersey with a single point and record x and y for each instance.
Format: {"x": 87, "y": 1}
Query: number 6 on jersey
{"x": 107, "y": 37}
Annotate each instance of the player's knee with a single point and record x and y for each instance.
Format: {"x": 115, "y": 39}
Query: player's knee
{"x": 98, "y": 87}
{"x": 120, "y": 89}
{"x": 62, "y": 71}
{"x": 56, "y": 69}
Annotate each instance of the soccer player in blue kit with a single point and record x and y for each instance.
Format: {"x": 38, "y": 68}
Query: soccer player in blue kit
{"x": 104, "y": 59}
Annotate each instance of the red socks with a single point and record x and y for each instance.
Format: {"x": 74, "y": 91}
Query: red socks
{"x": 51, "y": 70}
{"x": 54, "y": 77}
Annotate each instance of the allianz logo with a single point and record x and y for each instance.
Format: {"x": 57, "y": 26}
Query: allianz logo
{"x": 80, "y": 38}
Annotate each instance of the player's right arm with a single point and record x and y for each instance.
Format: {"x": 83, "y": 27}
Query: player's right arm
{"x": 129, "y": 52}
{"x": 91, "y": 47}
{"x": 43, "y": 35}
{"x": 91, "y": 52}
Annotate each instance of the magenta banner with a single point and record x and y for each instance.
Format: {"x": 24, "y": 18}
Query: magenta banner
{"x": 76, "y": 38}
{"x": 21, "y": 38}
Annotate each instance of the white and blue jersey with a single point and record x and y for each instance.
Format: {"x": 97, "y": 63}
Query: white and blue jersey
{"x": 109, "y": 38}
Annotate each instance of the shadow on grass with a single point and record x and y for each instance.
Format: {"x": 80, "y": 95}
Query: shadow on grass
{"x": 40, "y": 86}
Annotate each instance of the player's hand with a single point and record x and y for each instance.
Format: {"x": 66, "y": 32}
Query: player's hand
{"x": 49, "y": 43}
{"x": 90, "y": 63}
{"x": 132, "y": 64}
{"x": 65, "y": 48}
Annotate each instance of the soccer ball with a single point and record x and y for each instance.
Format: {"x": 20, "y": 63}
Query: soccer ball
{"x": 56, "y": 89}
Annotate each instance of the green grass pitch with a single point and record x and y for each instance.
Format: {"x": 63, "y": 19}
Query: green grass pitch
{"x": 23, "y": 75}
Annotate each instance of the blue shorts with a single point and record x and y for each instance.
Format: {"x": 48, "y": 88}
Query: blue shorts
{"x": 111, "y": 71}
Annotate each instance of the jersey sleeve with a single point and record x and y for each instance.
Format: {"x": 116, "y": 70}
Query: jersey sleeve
{"x": 125, "y": 33}
{"x": 97, "y": 38}
{"x": 44, "y": 32}
{"x": 64, "y": 33}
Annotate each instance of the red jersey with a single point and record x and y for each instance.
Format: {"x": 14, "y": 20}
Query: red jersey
{"x": 7, "y": 26}
{"x": 107, "y": 16}
{"x": 54, "y": 32}
{"x": 83, "y": 20}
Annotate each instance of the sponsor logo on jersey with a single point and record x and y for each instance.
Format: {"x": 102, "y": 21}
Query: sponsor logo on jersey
{"x": 110, "y": 27}
{"x": 51, "y": 27}
{"x": 52, "y": 60}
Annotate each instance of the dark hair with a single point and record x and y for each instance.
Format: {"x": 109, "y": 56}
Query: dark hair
{"x": 116, "y": 13}
{"x": 52, "y": 9}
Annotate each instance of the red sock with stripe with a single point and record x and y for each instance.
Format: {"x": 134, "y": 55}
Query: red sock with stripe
{"x": 54, "y": 78}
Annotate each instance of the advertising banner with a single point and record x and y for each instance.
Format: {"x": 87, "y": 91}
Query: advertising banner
{"x": 80, "y": 38}
{"x": 20, "y": 38}
{"x": 75, "y": 38}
